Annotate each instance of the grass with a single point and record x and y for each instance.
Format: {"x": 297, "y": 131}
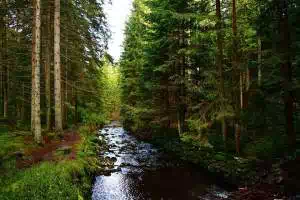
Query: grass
{"x": 10, "y": 144}
{"x": 65, "y": 179}
{"x": 44, "y": 181}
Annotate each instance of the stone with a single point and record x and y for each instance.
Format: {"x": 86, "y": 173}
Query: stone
{"x": 19, "y": 154}
{"x": 65, "y": 149}
{"x": 279, "y": 180}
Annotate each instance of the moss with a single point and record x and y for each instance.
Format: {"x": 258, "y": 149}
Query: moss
{"x": 233, "y": 170}
{"x": 66, "y": 179}
{"x": 45, "y": 181}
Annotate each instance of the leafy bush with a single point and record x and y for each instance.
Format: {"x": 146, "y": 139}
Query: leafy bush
{"x": 93, "y": 119}
{"x": 137, "y": 119}
{"x": 266, "y": 147}
{"x": 23, "y": 125}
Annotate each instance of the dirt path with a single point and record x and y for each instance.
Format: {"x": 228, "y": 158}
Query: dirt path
{"x": 47, "y": 152}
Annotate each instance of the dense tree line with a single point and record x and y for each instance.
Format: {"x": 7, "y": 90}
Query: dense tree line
{"x": 226, "y": 72}
{"x": 50, "y": 58}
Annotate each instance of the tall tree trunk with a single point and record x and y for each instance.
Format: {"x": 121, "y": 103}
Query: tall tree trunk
{"x": 23, "y": 102}
{"x": 48, "y": 67}
{"x": 36, "y": 47}
{"x": 286, "y": 69}
{"x": 63, "y": 68}
{"x": 259, "y": 60}
{"x": 241, "y": 89}
{"x": 57, "y": 68}
{"x": 248, "y": 81}
{"x": 74, "y": 102}
{"x": 259, "y": 52}
{"x": 219, "y": 61}
{"x": 236, "y": 77}
{"x": 2, "y": 57}
{"x": 66, "y": 87}
{"x": 181, "y": 93}
{"x": 5, "y": 60}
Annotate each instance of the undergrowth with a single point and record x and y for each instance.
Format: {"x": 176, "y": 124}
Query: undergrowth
{"x": 66, "y": 179}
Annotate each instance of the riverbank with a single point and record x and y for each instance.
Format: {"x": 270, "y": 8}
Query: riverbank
{"x": 63, "y": 168}
{"x": 252, "y": 177}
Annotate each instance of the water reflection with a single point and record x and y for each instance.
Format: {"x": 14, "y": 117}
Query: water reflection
{"x": 116, "y": 186}
{"x": 145, "y": 174}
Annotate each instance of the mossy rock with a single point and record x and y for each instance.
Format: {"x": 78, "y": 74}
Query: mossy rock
{"x": 220, "y": 157}
{"x": 65, "y": 150}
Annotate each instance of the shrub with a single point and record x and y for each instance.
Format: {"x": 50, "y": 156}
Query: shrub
{"x": 266, "y": 147}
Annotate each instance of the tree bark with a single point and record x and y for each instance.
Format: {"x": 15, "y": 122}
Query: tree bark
{"x": 23, "y": 102}
{"x": 286, "y": 71}
{"x": 63, "y": 68}
{"x": 36, "y": 42}
{"x": 57, "y": 68}
{"x": 259, "y": 56}
{"x": 181, "y": 107}
{"x": 66, "y": 87}
{"x": 4, "y": 59}
{"x": 2, "y": 27}
{"x": 219, "y": 61}
{"x": 74, "y": 102}
{"x": 241, "y": 90}
{"x": 48, "y": 68}
{"x": 236, "y": 77}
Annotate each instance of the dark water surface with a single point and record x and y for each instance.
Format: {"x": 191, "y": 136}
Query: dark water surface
{"x": 144, "y": 173}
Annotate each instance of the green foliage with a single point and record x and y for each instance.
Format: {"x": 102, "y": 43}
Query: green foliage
{"x": 23, "y": 125}
{"x": 267, "y": 147}
{"x": 170, "y": 71}
{"x": 110, "y": 91}
{"x": 93, "y": 118}
{"x": 10, "y": 143}
{"x": 88, "y": 146}
{"x": 137, "y": 119}
{"x": 85, "y": 33}
{"x": 91, "y": 114}
{"x": 66, "y": 179}
{"x": 46, "y": 181}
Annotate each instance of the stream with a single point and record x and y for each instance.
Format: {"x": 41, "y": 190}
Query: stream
{"x": 143, "y": 172}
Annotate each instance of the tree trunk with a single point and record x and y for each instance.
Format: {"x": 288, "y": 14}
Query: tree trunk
{"x": 181, "y": 108}
{"x": 286, "y": 71}
{"x": 238, "y": 138}
{"x": 36, "y": 119}
{"x": 4, "y": 58}
{"x": 236, "y": 76}
{"x": 74, "y": 102}
{"x": 63, "y": 68}
{"x": 66, "y": 88}
{"x": 48, "y": 68}
{"x": 259, "y": 56}
{"x": 23, "y": 102}
{"x": 219, "y": 61}
{"x": 241, "y": 90}
{"x": 57, "y": 68}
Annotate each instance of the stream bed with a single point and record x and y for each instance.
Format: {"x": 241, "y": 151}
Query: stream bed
{"x": 143, "y": 172}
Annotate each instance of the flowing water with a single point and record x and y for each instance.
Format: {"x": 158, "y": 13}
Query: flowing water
{"x": 143, "y": 172}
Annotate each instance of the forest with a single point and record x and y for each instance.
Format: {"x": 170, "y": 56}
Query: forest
{"x": 212, "y": 84}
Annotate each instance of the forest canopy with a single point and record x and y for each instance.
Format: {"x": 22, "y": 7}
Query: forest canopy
{"x": 224, "y": 70}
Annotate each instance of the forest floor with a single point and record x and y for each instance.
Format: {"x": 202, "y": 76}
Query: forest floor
{"x": 49, "y": 150}
{"x": 63, "y": 166}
